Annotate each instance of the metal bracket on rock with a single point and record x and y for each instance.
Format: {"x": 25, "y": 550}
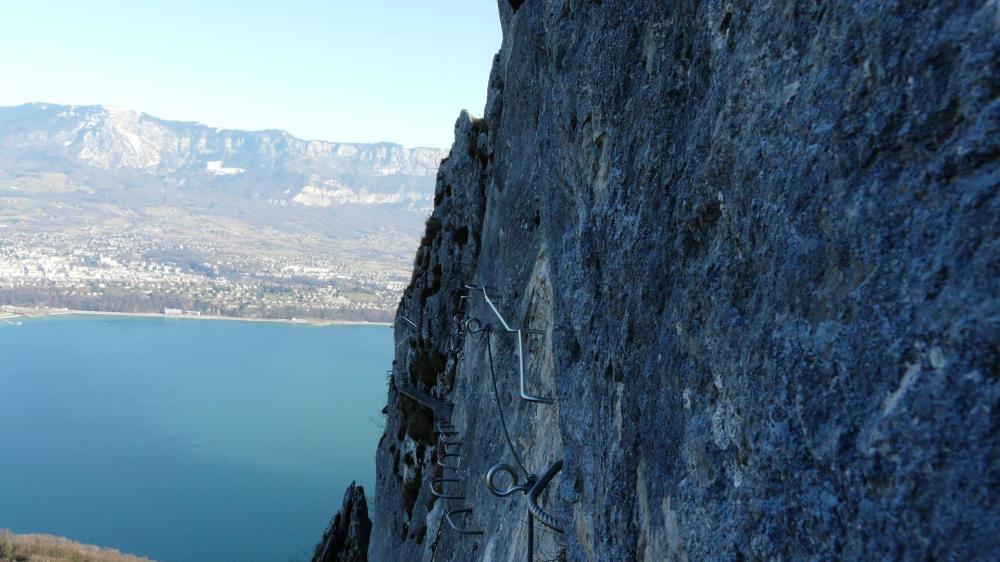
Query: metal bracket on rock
{"x": 520, "y": 345}
{"x": 408, "y": 321}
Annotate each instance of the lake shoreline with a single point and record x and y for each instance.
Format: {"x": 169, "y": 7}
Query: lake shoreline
{"x": 19, "y": 312}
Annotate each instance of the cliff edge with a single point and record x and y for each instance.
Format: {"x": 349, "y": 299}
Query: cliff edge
{"x": 752, "y": 249}
{"x": 346, "y": 538}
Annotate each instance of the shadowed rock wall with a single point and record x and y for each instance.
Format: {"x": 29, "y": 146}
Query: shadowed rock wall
{"x": 346, "y": 539}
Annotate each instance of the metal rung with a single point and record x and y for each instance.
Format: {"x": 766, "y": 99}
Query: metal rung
{"x": 441, "y": 463}
{"x": 455, "y": 527}
{"x": 442, "y": 495}
{"x": 446, "y": 431}
{"x": 492, "y": 291}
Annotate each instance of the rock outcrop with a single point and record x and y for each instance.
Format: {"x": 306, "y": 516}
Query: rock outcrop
{"x": 756, "y": 248}
{"x": 346, "y": 539}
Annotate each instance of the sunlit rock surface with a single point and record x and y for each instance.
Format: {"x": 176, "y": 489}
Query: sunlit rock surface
{"x": 760, "y": 242}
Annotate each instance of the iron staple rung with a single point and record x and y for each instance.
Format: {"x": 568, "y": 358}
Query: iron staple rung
{"x": 441, "y": 494}
{"x": 444, "y": 426}
{"x": 491, "y": 291}
{"x": 455, "y": 527}
{"x": 442, "y": 464}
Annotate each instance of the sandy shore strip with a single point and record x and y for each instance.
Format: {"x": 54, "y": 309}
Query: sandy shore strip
{"x": 17, "y": 312}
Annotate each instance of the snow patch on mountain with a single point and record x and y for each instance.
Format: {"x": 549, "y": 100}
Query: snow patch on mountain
{"x": 216, "y": 167}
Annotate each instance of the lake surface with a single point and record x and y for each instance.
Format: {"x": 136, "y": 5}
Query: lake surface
{"x": 187, "y": 440}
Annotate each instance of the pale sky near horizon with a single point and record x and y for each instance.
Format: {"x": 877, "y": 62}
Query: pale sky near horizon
{"x": 338, "y": 70}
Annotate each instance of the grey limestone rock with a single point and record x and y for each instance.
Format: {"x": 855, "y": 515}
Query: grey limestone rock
{"x": 759, "y": 244}
{"x": 346, "y": 539}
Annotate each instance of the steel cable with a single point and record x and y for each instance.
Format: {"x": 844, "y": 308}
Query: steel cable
{"x": 496, "y": 395}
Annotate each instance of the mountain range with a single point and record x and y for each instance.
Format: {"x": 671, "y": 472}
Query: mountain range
{"x": 95, "y": 148}
{"x": 253, "y": 223}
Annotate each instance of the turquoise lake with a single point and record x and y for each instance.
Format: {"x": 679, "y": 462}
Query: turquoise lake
{"x": 187, "y": 440}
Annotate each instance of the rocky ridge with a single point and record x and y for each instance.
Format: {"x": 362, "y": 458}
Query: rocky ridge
{"x": 106, "y": 147}
{"x": 346, "y": 538}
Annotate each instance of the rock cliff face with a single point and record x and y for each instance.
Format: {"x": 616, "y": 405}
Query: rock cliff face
{"x": 346, "y": 539}
{"x": 755, "y": 249}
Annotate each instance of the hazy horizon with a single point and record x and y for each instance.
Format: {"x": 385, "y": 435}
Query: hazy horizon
{"x": 314, "y": 69}
{"x": 181, "y": 119}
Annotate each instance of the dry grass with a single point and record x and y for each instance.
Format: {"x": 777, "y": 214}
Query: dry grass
{"x": 46, "y": 548}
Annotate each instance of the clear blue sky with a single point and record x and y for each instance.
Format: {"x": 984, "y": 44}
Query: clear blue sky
{"x": 340, "y": 70}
